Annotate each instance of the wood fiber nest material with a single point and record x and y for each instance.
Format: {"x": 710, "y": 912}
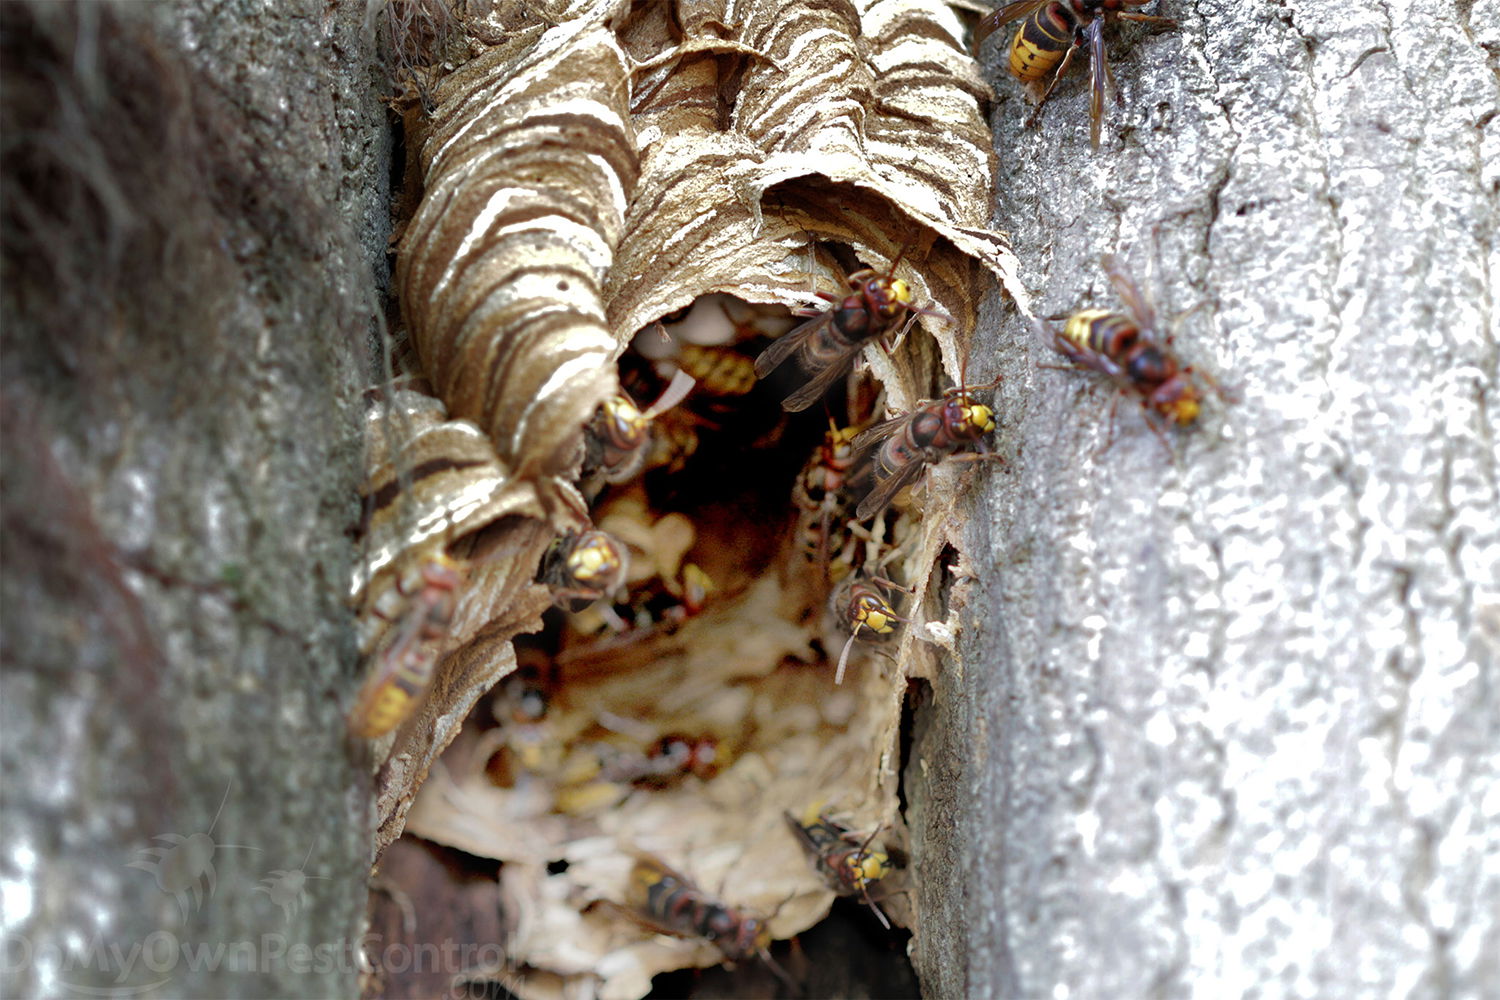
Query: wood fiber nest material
{"x": 590, "y": 175}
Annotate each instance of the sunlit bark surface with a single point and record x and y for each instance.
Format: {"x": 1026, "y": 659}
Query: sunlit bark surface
{"x": 1225, "y": 722}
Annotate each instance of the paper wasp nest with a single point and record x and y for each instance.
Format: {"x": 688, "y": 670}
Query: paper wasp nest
{"x": 601, "y": 169}
{"x": 528, "y": 166}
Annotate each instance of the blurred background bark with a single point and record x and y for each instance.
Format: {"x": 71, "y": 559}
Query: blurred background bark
{"x": 194, "y": 241}
{"x": 1225, "y": 724}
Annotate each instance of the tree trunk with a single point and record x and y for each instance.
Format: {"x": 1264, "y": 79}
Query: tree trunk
{"x": 1225, "y": 722}
{"x": 194, "y": 231}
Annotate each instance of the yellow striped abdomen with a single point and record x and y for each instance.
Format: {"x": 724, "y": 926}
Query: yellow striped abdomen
{"x": 721, "y": 371}
{"x": 1098, "y": 330}
{"x": 1040, "y": 44}
{"x": 400, "y": 682}
{"x": 388, "y": 708}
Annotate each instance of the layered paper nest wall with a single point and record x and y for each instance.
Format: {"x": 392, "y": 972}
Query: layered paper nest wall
{"x": 596, "y": 169}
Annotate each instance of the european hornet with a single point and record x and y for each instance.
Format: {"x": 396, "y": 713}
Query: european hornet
{"x": 614, "y": 442}
{"x": 668, "y": 759}
{"x": 404, "y": 668}
{"x": 582, "y": 568}
{"x": 859, "y": 605}
{"x": 693, "y": 592}
{"x": 526, "y": 740}
{"x": 675, "y": 441}
{"x": 821, "y": 493}
{"x": 893, "y": 454}
{"x": 827, "y": 344}
{"x": 1053, "y": 32}
{"x": 842, "y": 857}
{"x": 720, "y": 369}
{"x": 668, "y": 902}
{"x": 1133, "y": 352}
{"x": 675, "y": 755}
{"x": 599, "y": 774}
{"x": 662, "y": 605}
{"x": 525, "y": 695}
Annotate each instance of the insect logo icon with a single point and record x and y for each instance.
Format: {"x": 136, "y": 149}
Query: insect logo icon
{"x": 184, "y": 867}
{"x": 286, "y": 886}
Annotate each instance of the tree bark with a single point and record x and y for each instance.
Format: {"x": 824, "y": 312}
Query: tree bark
{"x": 195, "y": 227}
{"x": 1224, "y": 723}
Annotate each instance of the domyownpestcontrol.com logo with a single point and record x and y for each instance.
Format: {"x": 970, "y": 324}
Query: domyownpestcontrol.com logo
{"x": 122, "y": 970}
{"x": 73, "y": 963}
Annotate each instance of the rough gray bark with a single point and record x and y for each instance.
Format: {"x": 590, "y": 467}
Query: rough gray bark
{"x": 1226, "y": 725}
{"x": 194, "y": 233}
